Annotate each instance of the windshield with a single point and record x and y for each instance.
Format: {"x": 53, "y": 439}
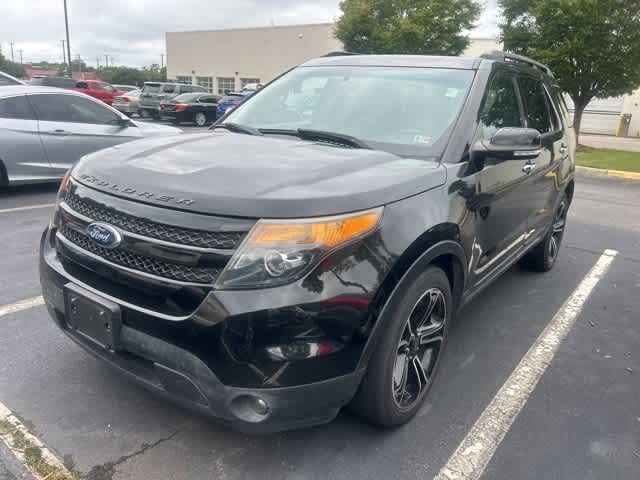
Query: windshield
{"x": 187, "y": 97}
{"x": 407, "y": 111}
{"x": 151, "y": 88}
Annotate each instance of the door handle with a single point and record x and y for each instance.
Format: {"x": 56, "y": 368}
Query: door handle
{"x": 59, "y": 132}
{"x": 563, "y": 148}
{"x": 528, "y": 167}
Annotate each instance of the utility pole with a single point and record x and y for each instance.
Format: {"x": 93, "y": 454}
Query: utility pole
{"x": 64, "y": 55}
{"x": 66, "y": 26}
{"x": 98, "y": 61}
{"x": 12, "y": 59}
{"x": 80, "y": 66}
{"x": 161, "y": 61}
{"x": 106, "y": 59}
{"x": 20, "y": 52}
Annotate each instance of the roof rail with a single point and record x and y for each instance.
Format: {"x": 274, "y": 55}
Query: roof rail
{"x": 339, "y": 54}
{"x": 512, "y": 57}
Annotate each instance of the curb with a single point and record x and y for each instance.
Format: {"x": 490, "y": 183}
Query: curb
{"x": 600, "y": 172}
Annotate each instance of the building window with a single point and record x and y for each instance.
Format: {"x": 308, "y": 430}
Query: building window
{"x": 226, "y": 84}
{"x": 247, "y": 81}
{"x": 206, "y": 82}
{"x": 184, "y": 79}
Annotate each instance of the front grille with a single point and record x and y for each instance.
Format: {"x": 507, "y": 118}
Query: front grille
{"x": 148, "y": 228}
{"x": 153, "y": 266}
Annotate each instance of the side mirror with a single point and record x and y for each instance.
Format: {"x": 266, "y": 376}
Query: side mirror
{"x": 125, "y": 122}
{"x": 512, "y": 144}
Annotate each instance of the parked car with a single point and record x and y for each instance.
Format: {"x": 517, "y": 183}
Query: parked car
{"x": 198, "y": 108}
{"x": 230, "y": 101}
{"x": 128, "y": 103}
{"x": 97, "y": 89}
{"x": 252, "y": 87}
{"x": 43, "y": 131}
{"x": 308, "y": 255}
{"x": 59, "y": 82}
{"x": 125, "y": 88}
{"x": 6, "y": 79}
{"x": 154, "y": 92}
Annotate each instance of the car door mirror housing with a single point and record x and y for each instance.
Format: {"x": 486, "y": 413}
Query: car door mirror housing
{"x": 511, "y": 144}
{"x": 125, "y": 122}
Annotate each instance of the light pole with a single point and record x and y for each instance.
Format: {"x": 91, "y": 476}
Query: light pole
{"x": 64, "y": 55}
{"x": 20, "y": 52}
{"x": 161, "y": 61}
{"x": 66, "y": 26}
{"x": 12, "y": 59}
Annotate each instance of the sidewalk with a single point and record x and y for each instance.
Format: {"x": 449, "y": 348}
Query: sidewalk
{"x": 606, "y": 141}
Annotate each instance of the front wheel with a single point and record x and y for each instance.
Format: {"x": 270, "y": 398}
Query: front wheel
{"x": 403, "y": 367}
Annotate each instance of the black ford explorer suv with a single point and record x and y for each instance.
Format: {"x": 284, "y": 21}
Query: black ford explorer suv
{"x": 311, "y": 250}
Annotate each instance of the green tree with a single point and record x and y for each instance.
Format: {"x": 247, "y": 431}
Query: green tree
{"x": 427, "y": 27}
{"x": 12, "y": 68}
{"x": 122, "y": 75}
{"x": 592, "y": 46}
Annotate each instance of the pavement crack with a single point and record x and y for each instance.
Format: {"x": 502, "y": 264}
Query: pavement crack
{"x": 106, "y": 471}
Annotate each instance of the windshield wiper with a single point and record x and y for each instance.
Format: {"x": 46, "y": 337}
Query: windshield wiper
{"x": 237, "y": 128}
{"x": 331, "y": 137}
{"x": 320, "y": 135}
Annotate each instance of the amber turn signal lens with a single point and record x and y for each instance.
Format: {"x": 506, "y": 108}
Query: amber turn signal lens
{"x": 328, "y": 232}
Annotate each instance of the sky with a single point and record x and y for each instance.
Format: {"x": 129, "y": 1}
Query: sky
{"x": 132, "y": 32}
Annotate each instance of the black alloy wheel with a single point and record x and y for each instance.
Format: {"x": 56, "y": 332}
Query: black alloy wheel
{"x": 543, "y": 256}
{"x": 419, "y": 348}
{"x": 403, "y": 367}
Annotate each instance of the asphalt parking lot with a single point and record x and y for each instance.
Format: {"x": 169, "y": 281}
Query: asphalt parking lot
{"x": 582, "y": 420}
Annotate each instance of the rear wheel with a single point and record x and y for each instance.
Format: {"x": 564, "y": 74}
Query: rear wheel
{"x": 543, "y": 256}
{"x": 200, "y": 119}
{"x": 403, "y": 367}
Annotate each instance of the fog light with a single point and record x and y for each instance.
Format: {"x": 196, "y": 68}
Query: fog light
{"x": 250, "y": 408}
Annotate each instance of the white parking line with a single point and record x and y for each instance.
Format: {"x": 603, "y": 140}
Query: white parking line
{"x": 28, "y": 207}
{"x": 479, "y": 445}
{"x": 8, "y": 416}
{"x": 21, "y": 305}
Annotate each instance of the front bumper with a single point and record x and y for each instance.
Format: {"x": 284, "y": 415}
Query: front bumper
{"x": 157, "y": 353}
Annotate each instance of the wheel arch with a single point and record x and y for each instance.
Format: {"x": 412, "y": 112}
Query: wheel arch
{"x": 442, "y": 250}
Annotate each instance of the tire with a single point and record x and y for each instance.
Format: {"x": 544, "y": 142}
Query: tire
{"x": 392, "y": 389}
{"x": 200, "y": 119}
{"x": 543, "y": 256}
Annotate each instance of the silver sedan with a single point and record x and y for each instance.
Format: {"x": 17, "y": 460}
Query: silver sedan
{"x": 45, "y": 130}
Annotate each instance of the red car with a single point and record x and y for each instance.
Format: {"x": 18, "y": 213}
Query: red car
{"x": 97, "y": 89}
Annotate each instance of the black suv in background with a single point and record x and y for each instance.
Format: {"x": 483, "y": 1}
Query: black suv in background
{"x": 310, "y": 252}
{"x": 155, "y": 92}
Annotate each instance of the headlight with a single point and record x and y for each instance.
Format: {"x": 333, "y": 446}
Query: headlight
{"x": 53, "y": 222}
{"x": 276, "y": 252}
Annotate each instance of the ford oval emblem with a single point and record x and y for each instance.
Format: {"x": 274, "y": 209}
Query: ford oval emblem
{"x": 104, "y": 235}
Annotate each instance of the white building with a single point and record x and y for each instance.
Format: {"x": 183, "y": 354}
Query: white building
{"x": 224, "y": 60}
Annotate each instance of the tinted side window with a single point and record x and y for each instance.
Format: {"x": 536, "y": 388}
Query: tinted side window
{"x": 535, "y": 104}
{"x": 16, "y": 107}
{"x": 69, "y": 108}
{"x": 500, "y": 108}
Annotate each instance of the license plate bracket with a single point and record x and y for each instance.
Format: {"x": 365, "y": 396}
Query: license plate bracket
{"x": 94, "y": 318}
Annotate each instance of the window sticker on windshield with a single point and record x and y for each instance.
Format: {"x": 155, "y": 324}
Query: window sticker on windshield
{"x": 452, "y": 92}
{"x": 426, "y": 139}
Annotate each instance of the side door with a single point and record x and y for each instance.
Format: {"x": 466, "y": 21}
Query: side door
{"x": 499, "y": 208}
{"x": 542, "y": 188}
{"x": 71, "y": 126}
{"x": 21, "y": 151}
{"x": 208, "y": 104}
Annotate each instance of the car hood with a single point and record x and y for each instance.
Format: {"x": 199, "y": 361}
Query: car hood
{"x": 149, "y": 129}
{"x": 233, "y": 174}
